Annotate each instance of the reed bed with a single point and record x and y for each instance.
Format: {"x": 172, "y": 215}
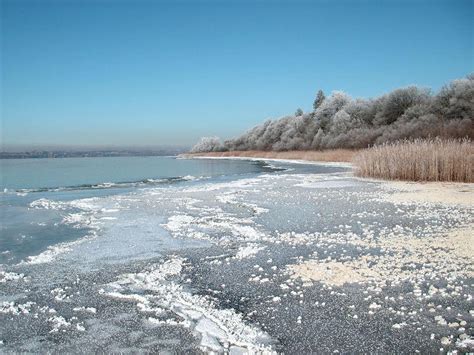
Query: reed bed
{"x": 418, "y": 160}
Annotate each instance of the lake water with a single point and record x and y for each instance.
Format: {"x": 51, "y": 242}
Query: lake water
{"x": 35, "y": 191}
{"x": 26, "y": 230}
{"x": 83, "y": 173}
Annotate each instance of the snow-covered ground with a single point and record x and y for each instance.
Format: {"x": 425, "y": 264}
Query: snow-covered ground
{"x": 284, "y": 262}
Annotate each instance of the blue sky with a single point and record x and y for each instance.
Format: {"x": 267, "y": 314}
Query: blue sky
{"x": 167, "y": 72}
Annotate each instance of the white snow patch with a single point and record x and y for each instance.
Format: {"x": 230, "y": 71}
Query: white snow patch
{"x": 248, "y": 251}
{"x": 48, "y": 204}
{"x": 58, "y": 323}
{"x": 10, "y": 276}
{"x": 16, "y": 309}
{"x": 85, "y": 309}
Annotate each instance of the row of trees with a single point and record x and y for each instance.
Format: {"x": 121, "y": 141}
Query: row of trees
{"x": 340, "y": 121}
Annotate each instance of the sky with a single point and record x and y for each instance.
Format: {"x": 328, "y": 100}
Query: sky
{"x": 142, "y": 72}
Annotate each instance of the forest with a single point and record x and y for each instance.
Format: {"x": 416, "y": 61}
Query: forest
{"x": 340, "y": 121}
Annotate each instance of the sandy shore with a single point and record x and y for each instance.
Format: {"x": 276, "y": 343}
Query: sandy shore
{"x": 442, "y": 193}
{"x": 335, "y": 155}
{"x": 447, "y": 193}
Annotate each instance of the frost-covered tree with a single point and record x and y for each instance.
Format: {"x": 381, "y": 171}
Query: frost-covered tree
{"x": 362, "y": 112}
{"x": 456, "y": 100}
{"x": 342, "y": 122}
{"x": 207, "y": 144}
{"x": 299, "y": 112}
{"x": 397, "y": 102}
{"x": 329, "y": 107}
{"x": 319, "y": 99}
{"x": 317, "y": 140}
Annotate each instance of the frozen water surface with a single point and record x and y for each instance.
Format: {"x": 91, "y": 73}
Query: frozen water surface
{"x": 307, "y": 259}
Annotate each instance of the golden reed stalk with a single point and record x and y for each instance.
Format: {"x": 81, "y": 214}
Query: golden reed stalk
{"x": 418, "y": 160}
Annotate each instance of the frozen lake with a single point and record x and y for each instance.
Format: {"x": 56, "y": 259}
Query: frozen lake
{"x": 259, "y": 257}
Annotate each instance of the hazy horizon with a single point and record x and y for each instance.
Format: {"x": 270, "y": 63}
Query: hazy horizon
{"x": 75, "y": 147}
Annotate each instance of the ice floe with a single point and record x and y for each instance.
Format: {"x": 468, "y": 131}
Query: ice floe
{"x": 218, "y": 329}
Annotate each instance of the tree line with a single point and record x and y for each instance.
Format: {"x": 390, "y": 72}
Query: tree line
{"x": 339, "y": 121}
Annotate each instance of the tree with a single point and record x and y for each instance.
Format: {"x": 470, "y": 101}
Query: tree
{"x": 207, "y": 144}
{"x": 319, "y": 99}
{"x": 330, "y": 107}
{"x": 299, "y": 112}
{"x": 397, "y": 102}
{"x": 341, "y": 122}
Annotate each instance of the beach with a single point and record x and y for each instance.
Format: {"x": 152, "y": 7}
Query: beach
{"x": 298, "y": 258}
{"x": 334, "y": 155}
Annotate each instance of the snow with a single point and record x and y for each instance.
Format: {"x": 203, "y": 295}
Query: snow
{"x": 53, "y": 251}
{"x": 10, "y": 276}
{"x": 215, "y": 327}
{"x": 91, "y": 310}
{"x": 58, "y": 323}
{"x": 44, "y": 203}
{"x": 16, "y": 309}
{"x": 249, "y": 250}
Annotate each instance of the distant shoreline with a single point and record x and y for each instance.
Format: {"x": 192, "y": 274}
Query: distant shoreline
{"x": 87, "y": 154}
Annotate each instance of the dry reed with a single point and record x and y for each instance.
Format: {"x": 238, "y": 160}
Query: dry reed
{"x": 330, "y": 155}
{"x": 418, "y": 160}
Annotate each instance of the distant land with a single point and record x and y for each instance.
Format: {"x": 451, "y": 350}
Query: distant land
{"x": 71, "y": 152}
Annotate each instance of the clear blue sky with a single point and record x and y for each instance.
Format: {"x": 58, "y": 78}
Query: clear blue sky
{"x": 167, "y": 72}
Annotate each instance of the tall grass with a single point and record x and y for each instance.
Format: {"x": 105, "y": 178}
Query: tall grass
{"x": 418, "y": 160}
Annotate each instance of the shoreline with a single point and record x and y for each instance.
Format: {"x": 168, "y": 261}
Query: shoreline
{"x": 447, "y": 193}
{"x": 288, "y": 161}
{"x": 337, "y": 157}
{"x": 332, "y": 156}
